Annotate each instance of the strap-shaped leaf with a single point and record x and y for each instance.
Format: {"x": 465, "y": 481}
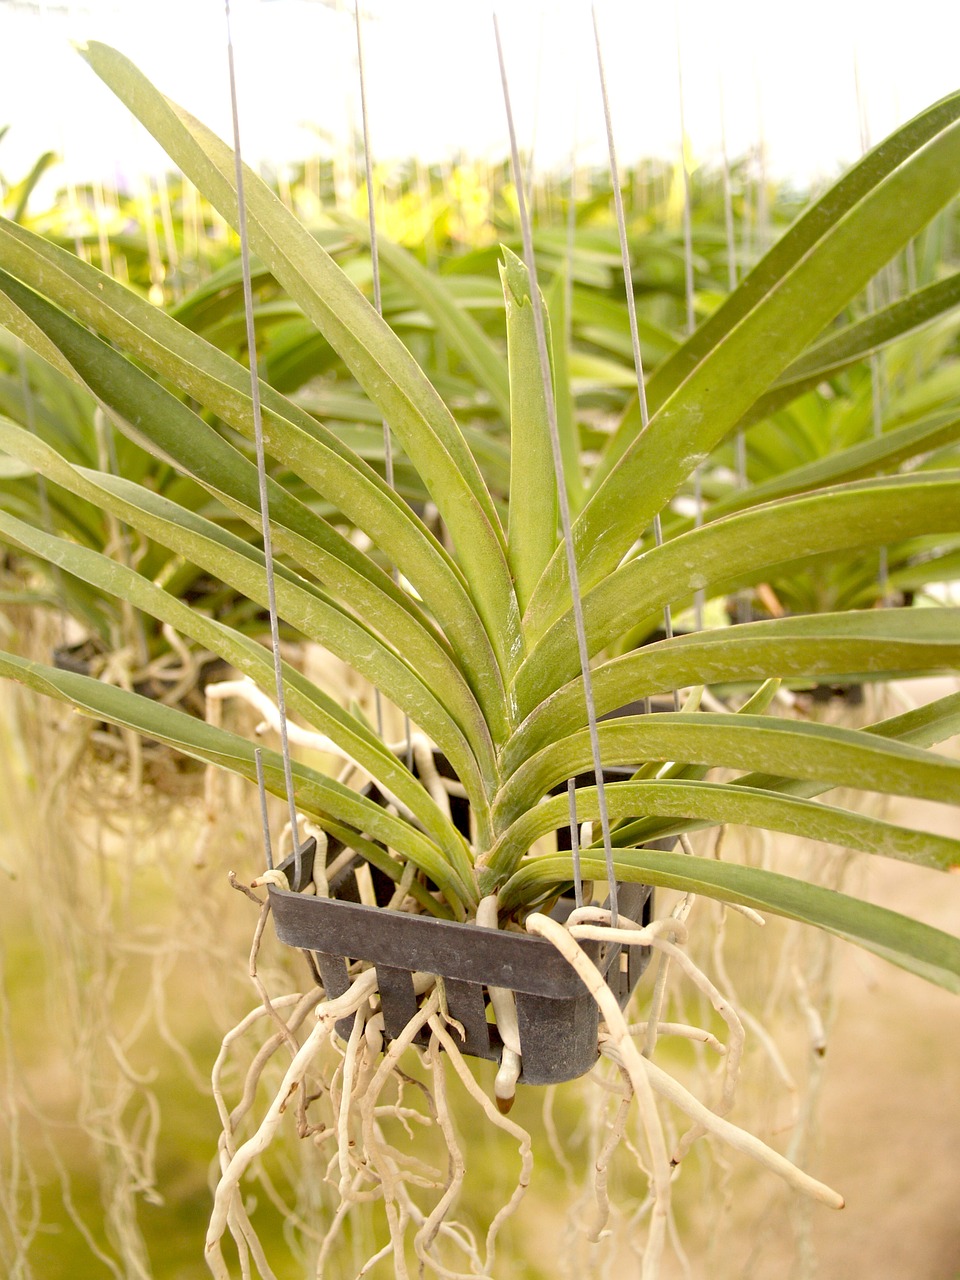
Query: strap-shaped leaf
{"x": 809, "y": 230}
{"x": 242, "y": 566}
{"x": 224, "y": 386}
{"x": 927, "y": 952}
{"x": 871, "y": 513}
{"x": 556, "y": 297}
{"x": 716, "y": 803}
{"x": 315, "y": 794}
{"x": 249, "y": 657}
{"x": 827, "y": 258}
{"x": 375, "y": 356}
{"x": 825, "y": 359}
{"x": 825, "y": 753}
{"x": 923, "y": 727}
{"x": 532, "y": 530}
{"x": 826, "y": 647}
{"x": 436, "y": 665}
{"x": 868, "y": 458}
{"x": 854, "y": 342}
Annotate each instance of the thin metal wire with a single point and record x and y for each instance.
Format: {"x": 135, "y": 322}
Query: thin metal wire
{"x": 264, "y": 816}
{"x": 563, "y": 500}
{"x": 378, "y": 303}
{"x": 631, "y": 301}
{"x": 375, "y": 263}
{"x": 258, "y": 440}
{"x": 698, "y": 595}
{"x": 567, "y": 337}
{"x": 372, "y": 220}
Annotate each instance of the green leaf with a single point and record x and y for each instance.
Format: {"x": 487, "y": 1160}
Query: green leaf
{"x": 870, "y": 513}
{"x": 854, "y": 342}
{"x": 867, "y": 458}
{"x": 457, "y": 326}
{"x": 922, "y": 727}
{"x": 566, "y": 406}
{"x": 929, "y": 953}
{"x": 833, "y": 210}
{"x": 250, "y": 658}
{"x": 316, "y": 795}
{"x": 532, "y": 531}
{"x": 242, "y": 566}
{"x": 825, "y": 753}
{"x": 801, "y": 284}
{"x": 830, "y": 646}
{"x": 375, "y": 356}
{"x": 717, "y": 803}
{"x": 216, "y": 380}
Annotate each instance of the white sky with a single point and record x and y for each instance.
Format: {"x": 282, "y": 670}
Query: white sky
{"x": 787, "y": 72}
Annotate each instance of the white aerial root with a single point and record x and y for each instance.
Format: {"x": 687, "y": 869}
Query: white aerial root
{"x": 735, "y": 1042}
{"x": 678, "y": 919}
{"x": 682, "y": 1030}
{"x": 457, "y": 1168}
{"x": 635, "y": 1066}
{"x": 735, "y": 1137}
{"x": 364, "y": 1167}
{"x": 601, "y": 1164}
{"x": 495, "y": 1116}
{"x": 378, "y": 1154}
{"x": 228, "y": 1187}
{"x": 505, "y": 1009}
{"x": 620, "y": 1047}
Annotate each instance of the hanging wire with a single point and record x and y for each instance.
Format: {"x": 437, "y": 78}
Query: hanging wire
{"x": 563, "y": 500}
{"x": 264, "y": 815}
{"x": 698, "y": 595}
{"x": 631, "y": 301}
{"x": 261, "y": 463}
{"x": 567, "y": 338}
{"x": 744, "y": 608}
{"x": 378, "y": 303}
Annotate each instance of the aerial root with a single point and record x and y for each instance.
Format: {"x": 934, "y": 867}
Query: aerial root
{"x": 227, "y": 1192}
{"x": 368, "y": 1114}
{"x": 496, "y": 1117}
{"x": 456, "y": 1169}
{"x": 505, "y": 1010}
{"x": 615, "y": 1134}
{"x": 634, "y": 1065}
{"x": 618, "y": 1045}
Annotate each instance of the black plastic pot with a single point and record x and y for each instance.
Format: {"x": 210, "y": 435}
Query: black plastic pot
{"x": 558, "y": 1018}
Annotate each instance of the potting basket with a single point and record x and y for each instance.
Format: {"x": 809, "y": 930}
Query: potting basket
{"x": 558, "y": 1018}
